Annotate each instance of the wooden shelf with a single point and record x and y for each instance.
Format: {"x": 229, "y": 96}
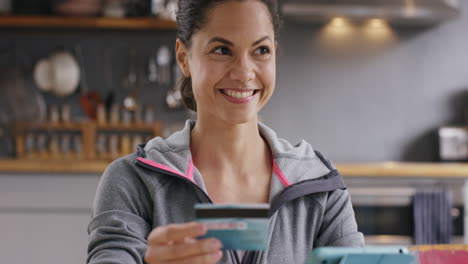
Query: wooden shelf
{"x": 385, "y": 169}
{"x": 64, "y": 166}
{"x": 92, "y": 147}
{"x": 129, "y": 127}
{"x": 62, "y": 126}
{"x": 139, "y": 23}
{"x": 404, "y": 169}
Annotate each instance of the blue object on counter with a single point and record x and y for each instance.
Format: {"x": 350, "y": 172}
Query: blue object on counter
{"x": 365, "y": 255}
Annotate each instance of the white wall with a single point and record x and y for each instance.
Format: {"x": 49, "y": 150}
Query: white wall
{"x": 371, "y": 104}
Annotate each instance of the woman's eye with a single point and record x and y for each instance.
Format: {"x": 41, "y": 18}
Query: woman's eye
{"x": 222, "y": 51}
{"x": 263, "y": 50}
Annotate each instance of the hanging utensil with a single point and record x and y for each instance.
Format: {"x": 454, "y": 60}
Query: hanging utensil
{"x": 20, "y": 102}
{"x": 152, "y": 68}
{"x": 174, "y": 95}
{"x": 110, "y": 98}
{"x": 130, "y": 101}
{"x": 89, "y": 100}
{"x": 157, "y": 7}
{"x": 164, "y": 60}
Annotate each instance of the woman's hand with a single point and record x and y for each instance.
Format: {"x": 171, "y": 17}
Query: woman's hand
{"x": 176, "y": 244}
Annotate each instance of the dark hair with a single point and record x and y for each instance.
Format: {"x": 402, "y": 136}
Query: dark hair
{"x": 191, "y": 16}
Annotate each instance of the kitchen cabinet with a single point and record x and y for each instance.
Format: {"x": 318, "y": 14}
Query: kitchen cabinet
{"x": 44, "y": 218}
{"x": 44, "y": 215}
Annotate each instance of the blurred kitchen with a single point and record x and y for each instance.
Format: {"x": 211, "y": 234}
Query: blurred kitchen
{"x": 378, "y": 86}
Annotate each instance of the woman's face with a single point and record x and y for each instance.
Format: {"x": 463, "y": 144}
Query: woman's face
{"x": 232, "y": 61}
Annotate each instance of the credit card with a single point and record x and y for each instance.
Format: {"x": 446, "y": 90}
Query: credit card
{"x": 364, "y": 255}
{"x": 237, "y": 226}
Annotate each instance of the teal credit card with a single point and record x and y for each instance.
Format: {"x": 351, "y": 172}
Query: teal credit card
{"x": 364, "y": 255}
{"x": 237, "y": 226}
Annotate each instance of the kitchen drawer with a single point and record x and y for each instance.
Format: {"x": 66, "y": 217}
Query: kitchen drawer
{"x": 43, "y": 238}
{"x": 44, "y": 218}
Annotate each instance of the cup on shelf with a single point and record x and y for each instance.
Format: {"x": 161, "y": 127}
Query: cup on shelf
{"x": 66, "y": 113}
{"x": 114, "y": 114}
{"x": 41, "y": 145}
{"x": 125, "y": 147}
{"x": 54, "y": 151}
{"x": 101, "y": 149}
{"x": 54, "y": 116}
{"x": 149, "y": 115}
{"x": 114, "y": 146}
{"x": 137, "y": 118}
{"x": 101, "y": 114}
{"x": 126, "y": 117}
{"x": 30, "y": 145}
{"x": 78, "y": 146}
{"x": 65, "y": 145}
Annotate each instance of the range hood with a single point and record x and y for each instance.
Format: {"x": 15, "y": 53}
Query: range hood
{"x": 406, "y": 12}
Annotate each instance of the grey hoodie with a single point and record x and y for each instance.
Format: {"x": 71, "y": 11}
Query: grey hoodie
{"x": 159, "y": 185}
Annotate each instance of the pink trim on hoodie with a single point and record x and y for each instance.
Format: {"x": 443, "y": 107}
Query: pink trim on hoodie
{"x": 190, "y": 170}
{"x": 162, "y": 167}
{"x": 280, "y": 175}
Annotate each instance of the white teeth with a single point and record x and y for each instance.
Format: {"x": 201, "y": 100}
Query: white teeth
{"x": 239, "y": 94}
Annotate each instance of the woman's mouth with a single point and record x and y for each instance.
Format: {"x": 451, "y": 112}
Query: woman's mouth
{"x": 239, "y": 95}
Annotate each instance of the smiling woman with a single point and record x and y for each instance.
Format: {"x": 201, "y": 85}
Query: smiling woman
{"x": 143, "y": 210}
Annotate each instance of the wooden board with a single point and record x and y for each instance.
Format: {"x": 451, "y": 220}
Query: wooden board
{"x": 86, "y": 22}
{"x": 385, "y": 169}
{"x": 53, "y": 166}
{"x": 404, "y": 169}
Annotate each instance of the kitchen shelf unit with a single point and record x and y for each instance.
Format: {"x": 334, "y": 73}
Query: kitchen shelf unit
{"x": 88, "y": 156}
{"x": 133, "y": 23}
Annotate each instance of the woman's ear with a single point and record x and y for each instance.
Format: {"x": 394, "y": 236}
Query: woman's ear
{"x": 182, "y": 57}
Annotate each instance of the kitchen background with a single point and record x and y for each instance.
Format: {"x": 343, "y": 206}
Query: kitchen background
{"x": 372, "y": 102}
{"x": 358, "y": 92}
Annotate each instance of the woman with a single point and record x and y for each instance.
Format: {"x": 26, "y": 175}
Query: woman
{"x": 226, "y": 50}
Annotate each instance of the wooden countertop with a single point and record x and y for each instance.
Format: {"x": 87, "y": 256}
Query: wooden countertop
{"x": 404, "y": 169}
{"x": 382, "y": 169}
{"x": 52, "y": 166}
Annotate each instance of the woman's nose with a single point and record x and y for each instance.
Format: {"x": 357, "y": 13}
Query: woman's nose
{"x": 243, "y": 70}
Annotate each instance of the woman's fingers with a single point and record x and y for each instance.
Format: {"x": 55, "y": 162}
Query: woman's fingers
{"x": 184, "y": 250}
{"x": 176, "y": 232}
{"x": 176, "y": 243}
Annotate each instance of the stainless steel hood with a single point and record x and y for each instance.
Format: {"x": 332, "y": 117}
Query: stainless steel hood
{"x": 407, "y": 12}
